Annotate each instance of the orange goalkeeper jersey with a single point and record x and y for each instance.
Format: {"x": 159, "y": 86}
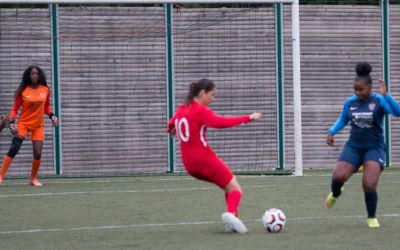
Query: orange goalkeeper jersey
{"x": 35, "y": 102}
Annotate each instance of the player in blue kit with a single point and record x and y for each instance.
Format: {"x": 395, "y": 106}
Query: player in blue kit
{"x": 365, "y": 111}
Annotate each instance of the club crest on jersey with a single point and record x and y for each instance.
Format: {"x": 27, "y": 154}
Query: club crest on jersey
{"x": 371, "y": 106}
{"x": 42, "y": 95}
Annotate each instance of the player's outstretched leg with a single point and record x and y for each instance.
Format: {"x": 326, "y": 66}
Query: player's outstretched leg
{"x": 233, "y": 195}
{"x": 233, "y": 224}
{"x": 341, "y": 173}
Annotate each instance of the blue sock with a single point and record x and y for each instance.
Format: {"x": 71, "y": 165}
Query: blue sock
{"x": 371, "y": 202}
{"x": 336, "y": 188}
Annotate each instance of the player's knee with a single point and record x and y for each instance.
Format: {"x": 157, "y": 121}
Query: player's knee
{"x": 339, "y": 179}
{"x": 233, "y": 185}
{"x": 239, "y": 188}
{"x": 343, "y": 176}
{"x": 37, "y": 155}
{"x": 15, "y": 146}
{"x": 369, "y": 186}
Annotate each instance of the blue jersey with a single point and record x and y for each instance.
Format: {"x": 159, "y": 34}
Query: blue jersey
{"x": 366, "y": 119}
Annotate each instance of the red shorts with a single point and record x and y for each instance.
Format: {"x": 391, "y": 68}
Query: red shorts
{"x": 216, "y": 172}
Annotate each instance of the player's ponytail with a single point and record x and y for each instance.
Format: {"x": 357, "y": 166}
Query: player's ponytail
{"x": 193, "y": 89}
{"x": 196, "y": 87}
{"x": 363, "y": 69}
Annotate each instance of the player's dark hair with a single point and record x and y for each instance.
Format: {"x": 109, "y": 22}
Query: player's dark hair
{"x": 363, "y": 69}
{"x": 196, "y": 87}
{"x": 26, "y": 79}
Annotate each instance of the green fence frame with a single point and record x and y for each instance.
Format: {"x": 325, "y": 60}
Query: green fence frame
{"x": 56, "y": 88}
{"x": 386, "y": 70}
{"x": 170, "y": 81}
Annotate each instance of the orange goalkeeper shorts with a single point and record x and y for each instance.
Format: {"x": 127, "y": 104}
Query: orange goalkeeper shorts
{"x": 37, "y": 134}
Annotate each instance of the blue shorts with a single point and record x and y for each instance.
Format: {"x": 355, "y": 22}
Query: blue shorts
{"x": 357, "y": 156}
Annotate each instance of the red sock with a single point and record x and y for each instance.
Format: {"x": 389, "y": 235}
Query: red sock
{"x": 6, "y": 163}
{"x": 233, "y": 201}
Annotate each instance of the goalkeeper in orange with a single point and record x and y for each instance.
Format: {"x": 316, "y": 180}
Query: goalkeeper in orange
{"x": 34, "y": 97}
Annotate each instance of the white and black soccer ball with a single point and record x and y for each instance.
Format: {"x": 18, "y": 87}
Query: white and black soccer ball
{"x": 273, "y": 220}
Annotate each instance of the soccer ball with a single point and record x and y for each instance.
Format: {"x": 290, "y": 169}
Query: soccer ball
{"x": 273, "y": 220}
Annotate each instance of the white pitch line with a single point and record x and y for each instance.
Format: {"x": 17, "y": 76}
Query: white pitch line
{"x": 119, "y": 191}
{"x": 150, "y": 191}
{"x": 107, "y": 180}
{"x": 173, "y": 224}
{"x": 183, "y": 178}
{"x": 342, "y": 217}
{"x": 123, "y": 179}
{"x": 349, "y": 183}
{"x": 156, "y": 190}
{"x": 127, "y": 179}
{"x": 104, "y": 192}
{"x": 41, "y": 230}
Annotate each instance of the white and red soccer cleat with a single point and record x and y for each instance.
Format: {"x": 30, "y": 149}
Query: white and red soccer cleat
{"x": 233, "y": 224}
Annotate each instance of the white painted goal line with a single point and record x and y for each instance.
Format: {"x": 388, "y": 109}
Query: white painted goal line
{"x": 211, "y": 187}
{"x": 149, "y": 179}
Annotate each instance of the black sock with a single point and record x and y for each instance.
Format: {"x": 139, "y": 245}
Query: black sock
{"x": 371, "y": 202}
{"x": 336, "y": 187}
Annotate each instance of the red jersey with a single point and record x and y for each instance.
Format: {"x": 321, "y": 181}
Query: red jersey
{"x": 35, "y": 102}
{"x": 190, "y": 123}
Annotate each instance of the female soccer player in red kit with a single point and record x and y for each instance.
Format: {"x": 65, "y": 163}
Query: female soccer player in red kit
{"x": 34, "y": 97}
{"x": 189, "y": 124}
